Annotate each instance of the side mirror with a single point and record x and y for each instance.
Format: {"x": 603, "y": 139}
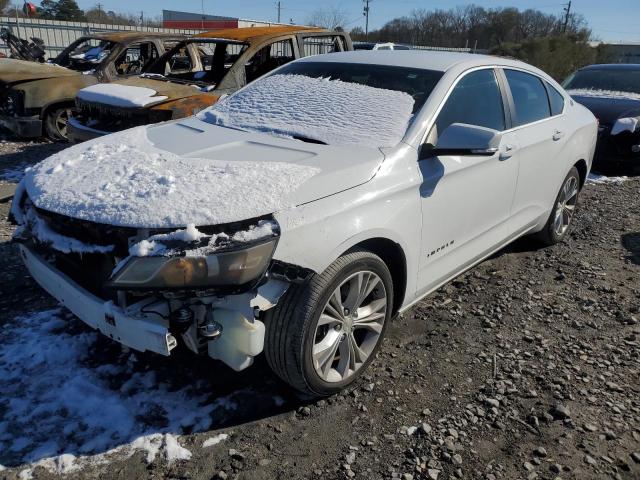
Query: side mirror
{"x": 462, "y": 139}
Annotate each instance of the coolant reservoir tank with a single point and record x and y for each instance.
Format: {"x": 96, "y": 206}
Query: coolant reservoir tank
{"x": 240, "y": 341}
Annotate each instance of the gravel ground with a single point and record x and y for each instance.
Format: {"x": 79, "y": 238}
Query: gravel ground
{"x": 528, "y": 366}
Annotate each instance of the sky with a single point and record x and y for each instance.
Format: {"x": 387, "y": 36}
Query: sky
{"x": 611, "y": 20}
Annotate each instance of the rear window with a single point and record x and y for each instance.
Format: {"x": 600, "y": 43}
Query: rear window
{"x": 556, "y": 100}
{"x": 418, "y": 83}
{"x": 529, "y": 96}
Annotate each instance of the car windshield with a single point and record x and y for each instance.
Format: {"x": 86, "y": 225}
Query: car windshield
{"x": 611, "y": 80}
{"x": 199, "y": 61}
{"x": 86, "y": 54}
{"x": 329, "y": 103}
{"x": 417, "y": 82}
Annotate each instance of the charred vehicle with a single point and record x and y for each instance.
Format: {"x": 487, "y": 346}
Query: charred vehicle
{"x": 37, "y": 99}
{"x": 194, "y": 75}
{"x": 612, "y": 93}
{"x": 299, "y": 214}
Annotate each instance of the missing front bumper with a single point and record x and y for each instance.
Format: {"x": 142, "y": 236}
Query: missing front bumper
{"x": 141, "y": 332}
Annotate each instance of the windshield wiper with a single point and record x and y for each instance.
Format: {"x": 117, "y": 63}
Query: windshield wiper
{"x": 309, "y": 140}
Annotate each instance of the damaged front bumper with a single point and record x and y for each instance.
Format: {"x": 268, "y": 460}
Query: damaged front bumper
{"x": 130, "y": 327}
{"x": 25, "y": 127}
{"x": 222, "y": 320}
{"x": 77, "y": 132}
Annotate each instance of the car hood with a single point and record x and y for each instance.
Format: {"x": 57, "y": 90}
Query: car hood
{"x": 191, "y": 172}
{"x": 608, "y": 109}
{"x": 18, "y": 71}
{"x": 165, "y": 91}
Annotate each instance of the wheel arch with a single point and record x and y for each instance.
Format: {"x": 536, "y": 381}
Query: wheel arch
{"x": 68, "y": 102}
{"x": 394, "y": 257}
{"x": 581, "y": 166}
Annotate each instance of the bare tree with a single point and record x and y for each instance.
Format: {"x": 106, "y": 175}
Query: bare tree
{"x": 329, "y": 17}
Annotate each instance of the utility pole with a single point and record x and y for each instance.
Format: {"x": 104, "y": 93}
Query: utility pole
{"x": 279, "y": 8}
{"x": 202, "y": 8}
{"x": 141, "y": 18}
{"x": 567, "y": 12}
{"x": 365, "y": 12}
{"x": 99, "y": 7}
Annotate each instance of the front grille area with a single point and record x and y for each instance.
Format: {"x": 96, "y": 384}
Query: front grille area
{"x": 110, "y": 118}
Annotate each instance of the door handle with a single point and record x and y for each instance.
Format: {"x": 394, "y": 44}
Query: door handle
{"x": 509, "y": 150}
{"x": 558, "y": 135}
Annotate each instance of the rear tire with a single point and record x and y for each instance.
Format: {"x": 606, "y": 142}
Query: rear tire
{"x": 560, "y": 220}
{"x": 56, "y": 121}
{"x": 310, "y": 344}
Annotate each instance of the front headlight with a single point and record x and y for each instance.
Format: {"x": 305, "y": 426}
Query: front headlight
{"x": 233, "y": 268}
{"x": 12, "y": 102}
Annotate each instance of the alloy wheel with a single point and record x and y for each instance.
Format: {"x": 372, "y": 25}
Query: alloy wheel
{"x": 566, "y": 206}
{"x": 349, "y": 326}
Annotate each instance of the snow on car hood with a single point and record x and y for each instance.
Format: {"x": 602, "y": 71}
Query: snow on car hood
{"x": 331, "y": 111}
{"x": 120, "y": 95}
{"x": 191, "y": 172}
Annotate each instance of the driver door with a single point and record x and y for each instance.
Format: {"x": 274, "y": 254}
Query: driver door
{"x": 466, "y": 200}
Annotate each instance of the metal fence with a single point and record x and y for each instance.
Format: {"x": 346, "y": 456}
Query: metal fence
{"x": 57, "y": 35}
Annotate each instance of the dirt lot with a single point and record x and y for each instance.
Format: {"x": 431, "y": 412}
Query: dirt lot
{"x": 528, "y": 366}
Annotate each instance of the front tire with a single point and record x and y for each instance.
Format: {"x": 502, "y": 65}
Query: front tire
{"x": 324, "y": 333}
{"x": 559, "y": 223}
{"x": 56, "y": 122}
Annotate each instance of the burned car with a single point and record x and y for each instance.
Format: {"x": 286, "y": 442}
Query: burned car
{"x": 37, "y": 99}
{"x": 612, "y": 93}
{"x": 277, "y": 221}
{"x": 194, "y": 75}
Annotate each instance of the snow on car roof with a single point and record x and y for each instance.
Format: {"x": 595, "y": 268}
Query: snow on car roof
{"x": 330, "y": 111}
{"x": 427, "y": 59}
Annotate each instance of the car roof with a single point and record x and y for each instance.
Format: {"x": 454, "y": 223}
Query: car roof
{"x": 131, "y": 36}
{"x": 251, "y": 33}
{"x": 426, "y": 59}
{"x": 613, "y": 66}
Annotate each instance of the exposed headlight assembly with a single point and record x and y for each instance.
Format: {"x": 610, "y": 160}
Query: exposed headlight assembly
{"x": 12, "y": 102}
{"x": 230, "y": 268}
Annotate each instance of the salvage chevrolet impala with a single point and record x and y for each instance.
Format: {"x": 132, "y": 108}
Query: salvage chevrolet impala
{"x": 299, "y": 215}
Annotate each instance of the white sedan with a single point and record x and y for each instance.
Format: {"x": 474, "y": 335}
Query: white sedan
{"x": 299, "y": 215}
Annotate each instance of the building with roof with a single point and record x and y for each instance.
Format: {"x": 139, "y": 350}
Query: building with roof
{"x": 199, "y": 21}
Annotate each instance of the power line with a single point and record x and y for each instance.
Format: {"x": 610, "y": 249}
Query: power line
{"x": 366, "y": 16}
{"x": 567, "y": 12}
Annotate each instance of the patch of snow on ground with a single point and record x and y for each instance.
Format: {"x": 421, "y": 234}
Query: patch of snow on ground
{"x": 126, "y": 96}
{"x": 210, "y": 442}
{"x": 590, "y": 92}
{"x": 61, "y": 409}
{"x": 331, "y": 111}
{"x": 594, "y": 178}
{"x": 124, "y": 180}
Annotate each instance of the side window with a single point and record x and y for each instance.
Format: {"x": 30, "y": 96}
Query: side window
{"x": 475, "y": 100}
{"x": 136, "y": 58}
{"x": 556, "y": 100}
{"x": 529, "y": 96}
{"x": 267, "y": 58}
{"x": 319, "y": 44}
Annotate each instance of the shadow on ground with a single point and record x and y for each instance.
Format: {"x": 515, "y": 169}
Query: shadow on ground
{"x": 631, "y": 243}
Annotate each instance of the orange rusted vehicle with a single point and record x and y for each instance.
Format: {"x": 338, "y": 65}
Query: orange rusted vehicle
{"x": 36, "y": 99}
{"x": 194, "y": 75}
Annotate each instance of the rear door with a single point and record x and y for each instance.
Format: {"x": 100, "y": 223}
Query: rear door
{"x": 539, "y": 126}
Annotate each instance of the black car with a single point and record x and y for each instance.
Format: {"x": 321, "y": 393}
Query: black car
{"x": 612, "y": 93}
